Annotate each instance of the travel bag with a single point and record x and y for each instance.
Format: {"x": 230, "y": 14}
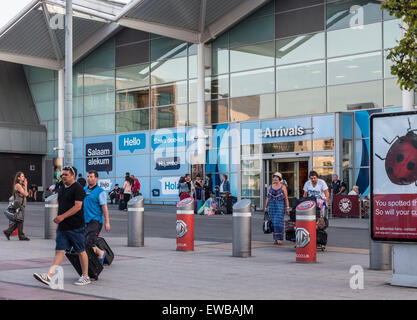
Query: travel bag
{"x": 94, "y": 265}
{"x": 103, "y": 245}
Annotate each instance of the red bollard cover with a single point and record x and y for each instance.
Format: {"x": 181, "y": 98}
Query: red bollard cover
{"x": 185, "y": 225}
{"x": 306, "y": 232}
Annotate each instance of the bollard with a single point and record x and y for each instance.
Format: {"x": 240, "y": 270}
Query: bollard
{"x": 305, "y": 234}
{"x": 185, "y": 225}
{"x": 242, "y": 235}
{"x": 51, "y": 212}
{"x": 135, "y": 225}
{"x": 380, "y": 255}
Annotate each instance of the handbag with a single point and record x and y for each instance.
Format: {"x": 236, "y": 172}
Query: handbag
{"x": 267, "y": 225}
{"x": 13, "y": 214}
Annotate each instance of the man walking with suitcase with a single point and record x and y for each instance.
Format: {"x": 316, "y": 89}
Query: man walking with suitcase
{"x": 95, "y": 207}
{"x": 71, "y": 227}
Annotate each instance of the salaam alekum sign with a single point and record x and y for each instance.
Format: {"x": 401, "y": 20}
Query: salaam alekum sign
{"x": 283, "y": 132}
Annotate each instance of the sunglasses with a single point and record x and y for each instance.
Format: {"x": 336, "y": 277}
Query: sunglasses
{"x": 68, "y": 168}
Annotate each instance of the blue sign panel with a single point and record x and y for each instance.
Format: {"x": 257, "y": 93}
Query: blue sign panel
{"x": 132, "y": 142}
{"x": 168, "y": 140}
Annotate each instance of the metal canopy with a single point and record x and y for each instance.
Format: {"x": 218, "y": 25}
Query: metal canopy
{"x": 36, "y": 36}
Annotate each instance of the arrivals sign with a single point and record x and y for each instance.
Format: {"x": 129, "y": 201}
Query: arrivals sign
{"x": 283, "y": 132}
{"x": 394, "y": 176}
{"x": 99, "y": 156}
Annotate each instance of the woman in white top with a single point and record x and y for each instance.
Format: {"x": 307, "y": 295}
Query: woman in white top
{"x": 127, "y": 190}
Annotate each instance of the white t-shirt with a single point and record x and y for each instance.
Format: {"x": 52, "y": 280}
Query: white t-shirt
{"x": 318, "y": 190}
{"x": 352, "y": 193}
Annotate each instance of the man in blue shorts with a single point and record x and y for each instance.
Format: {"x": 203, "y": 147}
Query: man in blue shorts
{"x": 71, "y": 227}
{"x": 95, "y": 208}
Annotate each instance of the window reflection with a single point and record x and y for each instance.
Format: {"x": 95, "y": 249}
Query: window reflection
{"x": 355, "y": 68}
{"x": 99, "y": 103}
{"x": 169, "y": 117}
{"x": 301, "y": 102}
{"x": 252, "y": 107}
{"x": 168, "y": 71}
{"x": 217, "y": 111}
{"x": 131, "y": 77}
{"x": 323, "y": 144}
{"x": 98, "y": 81}
{"x": 167, "y": 48}
{"x": 300, "y": 76}
{"x": 219, "y": 62}
{"x": 217, "y": 87}
{"x": 132, "y": 121}
{"x": 300, "y": 48}
{"x": 252, "y": 82}
{"x": 323, "y": 161}
{"x": 171, "y": 93}
{"x": 252, "y": 57}
{"x": 292, "y": 146}
{"x": 132, "y": 99}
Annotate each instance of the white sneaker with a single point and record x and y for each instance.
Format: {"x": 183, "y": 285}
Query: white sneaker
{"x": 83, "y": 281}
{"x": 43, "y": 277}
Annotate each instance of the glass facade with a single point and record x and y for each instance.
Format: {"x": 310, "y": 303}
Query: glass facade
{"x": 289, "y": 59}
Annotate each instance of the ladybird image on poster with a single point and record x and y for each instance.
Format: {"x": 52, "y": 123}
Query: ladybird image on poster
{"x": 394, "y": 176}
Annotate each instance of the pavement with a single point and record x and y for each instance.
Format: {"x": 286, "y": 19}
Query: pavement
{"x": 158, "y": 271}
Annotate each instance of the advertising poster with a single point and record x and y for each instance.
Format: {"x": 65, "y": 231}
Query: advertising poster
{"x": 394, "y": 176}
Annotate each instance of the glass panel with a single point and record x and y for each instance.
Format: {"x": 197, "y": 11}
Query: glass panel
{"x": 169, "y": 117}
{"x": 347, "y": 156}
{"x": 43, "y": 91}
{"x": 99, "y": 125}
{"x": 130, "y": 35}
{"x": 362, "y": 181}
{"x": 252, "y": 82}
{"x": 323, "y": 161}
{"x": 216, "y": 87}
{"x": 219, "y": 62}
{"x": 300, "y": 76}
{"x": 192, "y": 90}
{"x": 192, "y": 67}
{"x": 192, "y": 114}
{"x": 323, "y": 144}
{"x": 101, "y": 58}
{"x": 77, "y": 127}
{"x": 300, "y": 48}
{"x": 132, "y": 121}
{"x": 40, "y": 74}
{"x": 392, "y": 93}
{"x": 286, "y": 5}
{"x": 248, "y": 165}
{"x": 362, "y": 153}
{"x": 354, "y": 40}
{"x": 352, "y": 13}
{"x": 131, "y": 77}
{"x": 192, "y": 49}
{"x": 392, "y": 33}
{"x": 251, "y": 184}
{"x": 132, "y": 99}
{"x": 99, "y": 81}
{"x": 51, "y": 130}
{"x": 252, "y": 107}
{"x": 252, "y": 57}
{"x": 77, "y": 106}
{"x": 171, "y": 93}
{"x": 252, "y": 31}
{"x": 221, "y": 42}
{"x": 302, "y": 21}
{"x": 217, "y": 111}
{"x": 301, "y": 102}
{"x": 364, "y": 95}
{"x": 292, "y": 146}
{"x": 357, "y": 68}
{"x": 132, "y": 54}
{"x": 250, "y": 150}
{"x": 387, "y": 66}
{"x": 168, "y": 71}
{"x": 167, "y": 48}
{"x": 45, "y": 110}
{"x": 77, "y": 85}
{"x": 99, "y": 103}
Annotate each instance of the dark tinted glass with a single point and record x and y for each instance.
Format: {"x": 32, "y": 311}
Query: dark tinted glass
{"x": 299, "y": 21}
{"x": 130, "y": 35}
{"x": 132, "y": 54}
{"x": 285, "y": 5}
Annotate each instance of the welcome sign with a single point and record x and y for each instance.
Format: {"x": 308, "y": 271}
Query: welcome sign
{"x": 99, "y": 156}
{"x": 132, "y": 142}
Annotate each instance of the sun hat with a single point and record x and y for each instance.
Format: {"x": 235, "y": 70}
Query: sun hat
{"x": 278, "y": 174}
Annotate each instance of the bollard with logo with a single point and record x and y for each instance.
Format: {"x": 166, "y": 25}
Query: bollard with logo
{"x": 242, "y": 238}
{"x": 185, "y": 225}
{"x": 305, "y": 233}
{"x": 135, "y": 225}
{"x": 51, "y": 212}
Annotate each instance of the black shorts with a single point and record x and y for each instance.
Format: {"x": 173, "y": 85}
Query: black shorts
{"x": 92, "y": 231}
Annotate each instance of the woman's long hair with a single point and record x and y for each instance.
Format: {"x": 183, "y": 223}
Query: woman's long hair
{"x": 16, "y": 179}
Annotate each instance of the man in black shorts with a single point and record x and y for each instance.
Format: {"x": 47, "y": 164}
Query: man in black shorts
{"x": 71, "y": 227}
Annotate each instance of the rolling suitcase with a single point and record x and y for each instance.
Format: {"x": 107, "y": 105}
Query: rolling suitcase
{"x": 94, "y": 265}
{"x": 122, "y": 204}
{"x": 102, "y": 244}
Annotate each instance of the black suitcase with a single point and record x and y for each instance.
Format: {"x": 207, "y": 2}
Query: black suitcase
{"x": 94, "y": 265}
{"x": 102, "y": 244}
{"x": 122, "y": 204}
{"x": 321, "y": 237}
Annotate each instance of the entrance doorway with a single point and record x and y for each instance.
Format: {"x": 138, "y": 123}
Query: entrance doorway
{"x": 294, "y": 172}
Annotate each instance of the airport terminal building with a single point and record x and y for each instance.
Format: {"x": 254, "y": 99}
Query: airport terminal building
{"x": 288, "y": 85}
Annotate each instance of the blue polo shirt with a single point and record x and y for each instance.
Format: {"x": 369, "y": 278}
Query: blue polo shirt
{"x": 94, "y": 199}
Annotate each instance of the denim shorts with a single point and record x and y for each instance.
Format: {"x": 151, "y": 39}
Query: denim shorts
{"x": 67, "y": 239}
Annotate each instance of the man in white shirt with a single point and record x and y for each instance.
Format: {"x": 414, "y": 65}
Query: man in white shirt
{"x": 354, "y": 192}
{"x": 316, "y": 187}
